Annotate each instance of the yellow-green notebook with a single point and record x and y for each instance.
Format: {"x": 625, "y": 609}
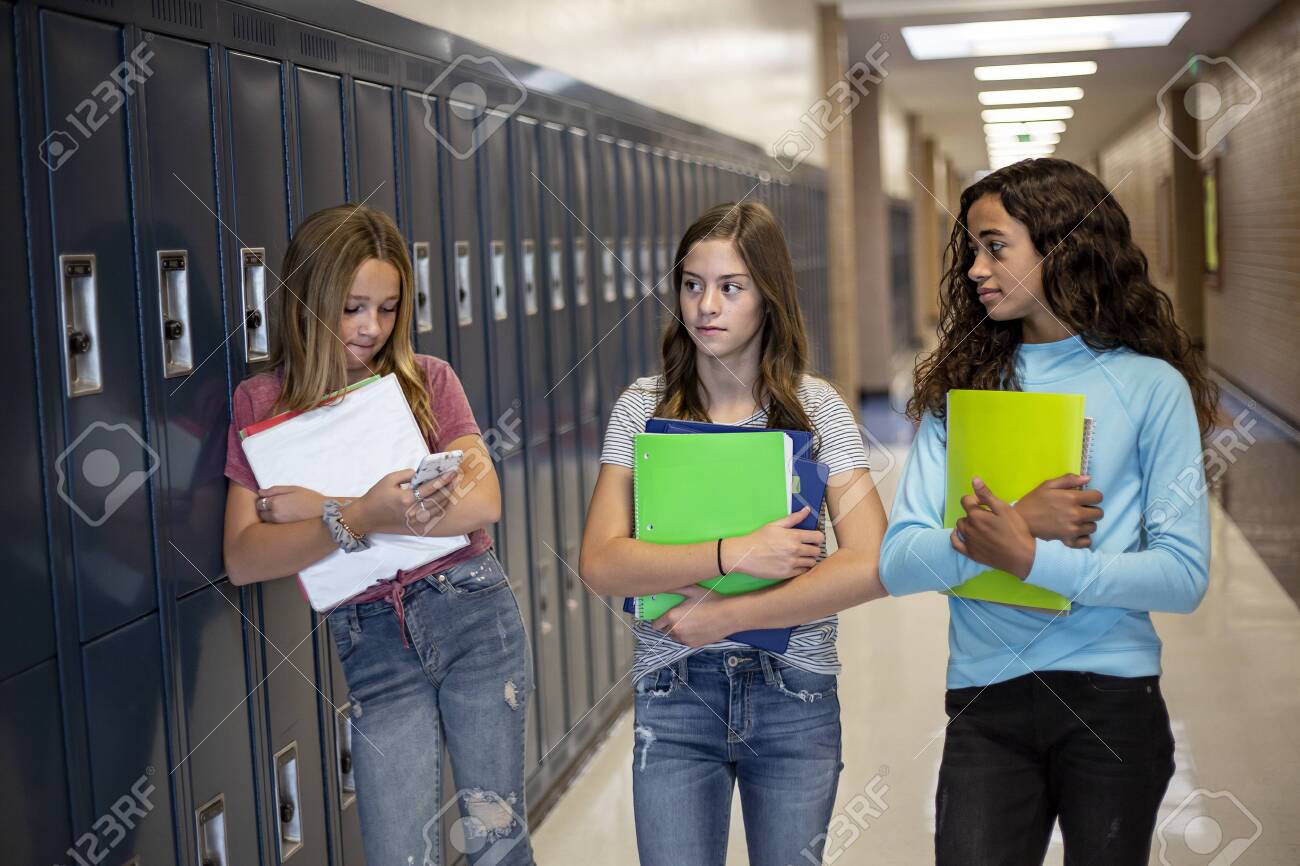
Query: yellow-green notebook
{"x": 706, "y": 486}
{"x": 1014, "y": 441}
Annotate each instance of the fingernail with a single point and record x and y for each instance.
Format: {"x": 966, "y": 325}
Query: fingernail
{"x": 977, "y": 481}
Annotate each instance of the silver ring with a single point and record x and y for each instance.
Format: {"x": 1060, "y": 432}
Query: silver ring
{"x": 418, "y": 496}
{"x": 261, "y": 504}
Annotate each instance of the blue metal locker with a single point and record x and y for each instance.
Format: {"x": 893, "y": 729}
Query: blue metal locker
{"x": 104, "y": 464}
{"x": 565, "y": 381}
{"x": 632, "y": 329}
{"x": 533, "y": 302}
{"x": 290, "y": 756}
{"x": 223, "y": 808}
{"x": 583, "y": 246}
{"x": 34, "y": 818}
{"x": 422, "y": 209}
{"x": 29, "y": 638}
{"x": 318, "y": 98}
{"x": 372, "y": 132}
{"x": 647, "y": 211}
{"x": 469, "y": 346}
{"x": 126, "y": 732}
{"x": 184, "y": 324}
{"x": 614, "y": 366}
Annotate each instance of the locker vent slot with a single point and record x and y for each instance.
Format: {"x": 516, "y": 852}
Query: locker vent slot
{"x": 418, "y": 70}
{"x": 320, "y": 47}
{"x": 253, "y": 28}
{"x": 187, "y": 13}
{"x": 369, "y": 60}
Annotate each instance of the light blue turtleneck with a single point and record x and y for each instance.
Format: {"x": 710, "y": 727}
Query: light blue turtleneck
{"x": 1150, "y": 551}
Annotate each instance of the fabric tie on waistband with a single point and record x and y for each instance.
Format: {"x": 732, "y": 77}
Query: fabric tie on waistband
{"x": 395, "y": 591}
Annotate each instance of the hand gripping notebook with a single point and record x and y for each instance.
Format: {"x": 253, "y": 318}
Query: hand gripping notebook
{"x": 1014, "y": 441}
{"x": 341, "y": 450}
{"x": 809, "y": 488}
{"x": 702, "y": 487}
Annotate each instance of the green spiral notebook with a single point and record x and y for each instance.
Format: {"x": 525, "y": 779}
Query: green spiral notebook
{"x": 705, "y": 486}
{"x": 1014, "y": 441}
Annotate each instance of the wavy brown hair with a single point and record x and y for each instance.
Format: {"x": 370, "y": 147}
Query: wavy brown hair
{"x": 319, "y": 266}
{"x": 1095, "y": 282}
{"x": 783, "y": 357}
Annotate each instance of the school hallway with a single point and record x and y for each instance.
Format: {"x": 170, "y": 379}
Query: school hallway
{"x": 197, "y": 196}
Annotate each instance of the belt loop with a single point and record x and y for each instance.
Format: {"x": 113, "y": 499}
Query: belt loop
{"x": 354, "y": 621}
{"x": 683, "y": 667}
{"x": 770, "y": 676}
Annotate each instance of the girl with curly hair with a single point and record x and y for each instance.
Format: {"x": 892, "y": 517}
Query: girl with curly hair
{"x": 1057, "y": 718}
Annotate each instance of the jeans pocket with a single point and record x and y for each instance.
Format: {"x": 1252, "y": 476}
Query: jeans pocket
{"x": 480, "y": 576}
{"x": 805, "y": 685}
{"x": 341, "y": 631}
{"x": 657, "y": 683}
{"x": 1113, "y": 685}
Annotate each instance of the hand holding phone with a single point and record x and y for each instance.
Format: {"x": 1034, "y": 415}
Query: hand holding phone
{"x": 436, "y": 464}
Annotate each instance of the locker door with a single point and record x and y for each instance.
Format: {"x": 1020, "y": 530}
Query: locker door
{"x": 423, "y": 204}
{"x": 507, "y": 426}
{"x": 665, "y": 223}
{"x": 34, "y": 819}
{"x": 613, "y": 366}
{"x": 292, "y": 759}
{"x": 565, "y": 354}
{"x": 373, "y": 133}
{"x": 105, "y": 463}
{"x": 126, "y": 732}
{"x": 580, "y": 241}
{"x": 534, "y": 301}
{"x": 321, "y": 179}
{"x": 470, "y": 346}
{"x": 634, "y": 326}
{"x": 30, "y": 635}
{"x": 220, "y": 765}
{"x": 185, "y": 323}
{"x": 647, "y": 218}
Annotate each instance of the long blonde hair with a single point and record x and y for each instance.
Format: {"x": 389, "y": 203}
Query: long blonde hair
{"x": 783, "y": 358}
{"x": 328, "y": 249}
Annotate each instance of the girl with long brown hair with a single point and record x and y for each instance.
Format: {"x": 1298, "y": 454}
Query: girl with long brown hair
{"x": 435, "y": 652}
{"x": 1057, "y": 718}
{"x": 712, "y": 712}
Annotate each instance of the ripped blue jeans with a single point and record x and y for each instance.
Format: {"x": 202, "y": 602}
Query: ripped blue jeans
{"x": 465, "y": 677}
{"x": 724, "y": 717}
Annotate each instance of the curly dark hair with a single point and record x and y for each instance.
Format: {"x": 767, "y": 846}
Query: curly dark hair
{"x": 1095, "y": 282}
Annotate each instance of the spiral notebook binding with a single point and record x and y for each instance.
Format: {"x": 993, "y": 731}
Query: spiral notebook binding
{"x": 1088, "y": 428}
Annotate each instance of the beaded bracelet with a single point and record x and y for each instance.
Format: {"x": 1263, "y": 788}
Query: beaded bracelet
{"x": 348, "y": 540}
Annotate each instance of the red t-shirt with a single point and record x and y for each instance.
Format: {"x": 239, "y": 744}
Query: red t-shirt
{"x": 255, "y": 396}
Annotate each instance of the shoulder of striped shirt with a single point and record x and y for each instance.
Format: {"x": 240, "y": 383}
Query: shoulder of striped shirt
{"x": 813, "y": 390}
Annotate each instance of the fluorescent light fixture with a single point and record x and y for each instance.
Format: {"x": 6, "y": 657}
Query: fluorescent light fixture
{"x": 1023, "y": 148}
{"x": 1021, "y": 115}
{"x": 1042, "y": 35}
{"x": 1039, "y": 126}
{"x": 1038, "y": 94}
{"x": 1017, "y": 71}
{"x": 1023, "y": 138}
{"x": 1007, "y": 154}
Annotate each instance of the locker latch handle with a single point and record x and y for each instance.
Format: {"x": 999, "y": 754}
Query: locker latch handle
{"x": 210, "y": 822}
{"x": 287, "y": 795}
{"x": 174, "y": 311}
{"x": 79, "y": 315}
{"x": 253, "y": 279}
{"x": 422, "y": 266}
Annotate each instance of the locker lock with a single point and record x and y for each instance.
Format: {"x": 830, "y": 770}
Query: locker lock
{"x": 286, "y": 811}
{"x": 253, "y": 319}
{"x": 345, "y": 763}
{"x": 173, "y": 329}
{"x": 79, "y": 342}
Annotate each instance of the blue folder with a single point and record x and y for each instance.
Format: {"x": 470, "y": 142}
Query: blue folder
{"x": 809, "y": 489}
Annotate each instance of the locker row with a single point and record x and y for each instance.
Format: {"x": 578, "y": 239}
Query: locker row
{"x": 156, "y": 159}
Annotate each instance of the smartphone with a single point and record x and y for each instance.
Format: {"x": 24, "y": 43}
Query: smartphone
{"x": 436, "y": 464}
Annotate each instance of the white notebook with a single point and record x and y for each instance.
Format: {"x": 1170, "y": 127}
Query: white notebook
{"x": 341, "y": 451}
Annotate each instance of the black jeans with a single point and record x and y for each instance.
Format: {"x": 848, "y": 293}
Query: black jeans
{"x": 1092, "y": 751}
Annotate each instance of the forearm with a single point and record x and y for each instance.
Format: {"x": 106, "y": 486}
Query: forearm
{"x": 921, "y": 559}
{"x": 268, "y": 551}
{"x": 1157, "y": 579}
{"x": 626, "y": 566}
{"x": 844, "y": 579}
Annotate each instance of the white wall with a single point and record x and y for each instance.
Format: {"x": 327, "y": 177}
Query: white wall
{"x": 744, "y": 67}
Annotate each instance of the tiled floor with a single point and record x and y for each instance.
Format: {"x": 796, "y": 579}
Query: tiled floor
{"x": 1231, "y": 682}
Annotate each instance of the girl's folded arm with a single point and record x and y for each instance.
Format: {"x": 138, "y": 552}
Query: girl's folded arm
{"x": 1172, "y": 573}
{"x": 917, "y": 553}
